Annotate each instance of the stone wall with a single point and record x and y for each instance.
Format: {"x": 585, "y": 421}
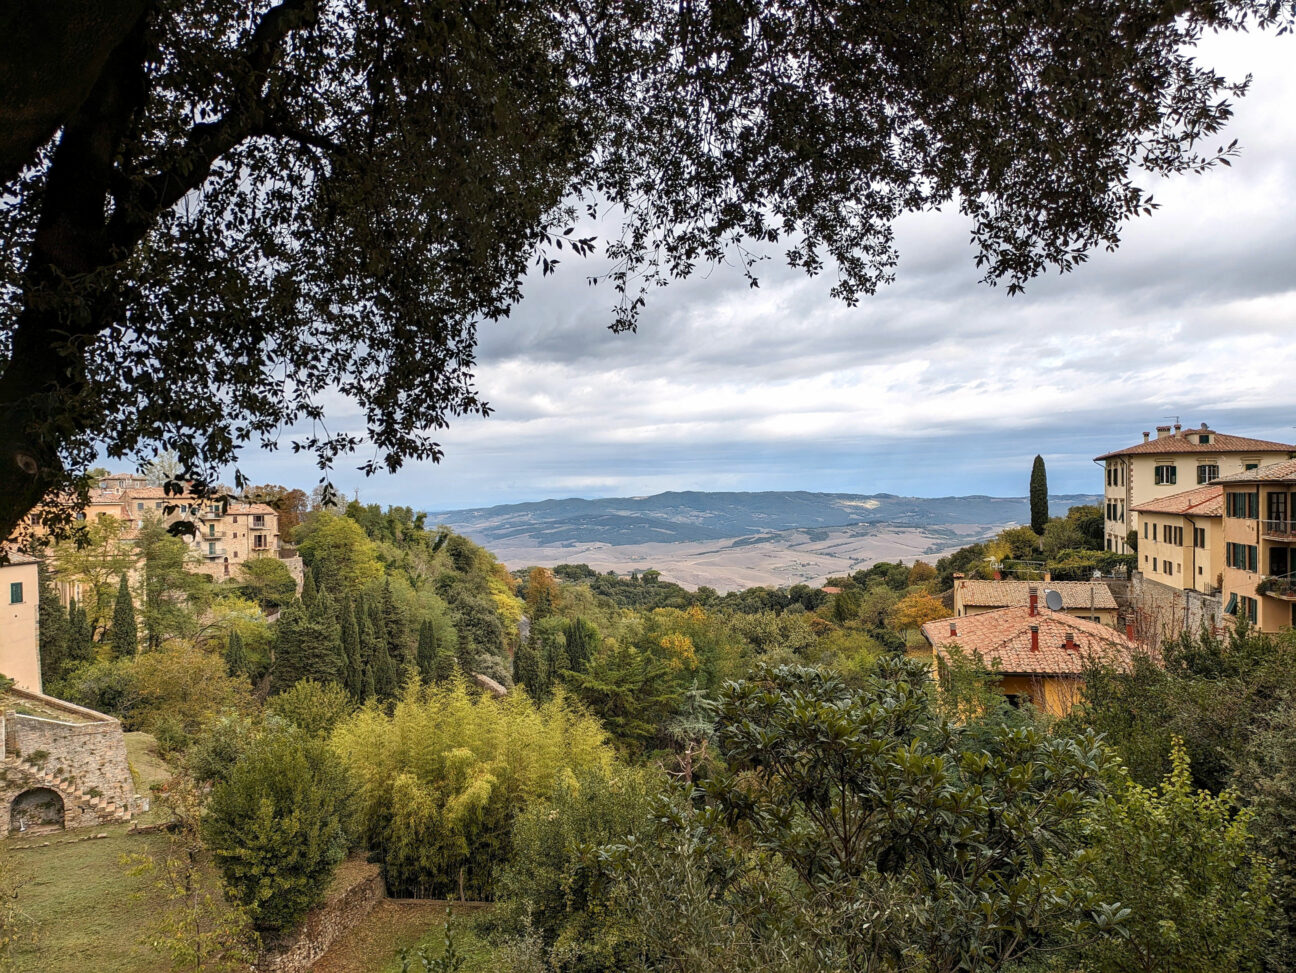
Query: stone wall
{"x": 1160, "y": 611}
{"x": 75, "y": 752}
{"x": 351, "y": 900}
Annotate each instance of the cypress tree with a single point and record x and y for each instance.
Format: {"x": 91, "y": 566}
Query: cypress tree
{"x": 427, "y": 652}
{"x": 310, "y": 594}
{"x": 124, "y": 637}
{"x": 385, "y": 677}
{"x": 582, "y": 638}
{"x": 443, "y": 667}
{"x": 80, "y": 641}
{"x": 235, "y": 655}
{"x": 526, "y": 669}
{"x": 54, "y": 629}
{"x": 353, "y": 677}
{"x": 1038, "y": 496}
{"x": 369, "y": 691}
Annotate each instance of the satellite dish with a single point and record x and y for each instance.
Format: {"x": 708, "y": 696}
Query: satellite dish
{"x": 1053, "y": 600}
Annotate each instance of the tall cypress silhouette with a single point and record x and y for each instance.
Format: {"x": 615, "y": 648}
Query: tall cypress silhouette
{"x": 124, "y": 637}
{"x": 1038, "y": 496}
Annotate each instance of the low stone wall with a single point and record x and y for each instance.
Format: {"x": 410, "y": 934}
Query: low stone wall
{"x": 344, "y": 907}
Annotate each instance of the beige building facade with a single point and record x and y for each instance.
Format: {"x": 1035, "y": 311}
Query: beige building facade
{"x": 1178, "y": 459}
{"x": 19, "y": 619}
{"x": 1260, "y": 546}
{"x": 1181, "y": 540}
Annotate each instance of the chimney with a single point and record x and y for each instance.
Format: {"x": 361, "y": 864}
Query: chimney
{"x": 1070, "y": 643}
{"x": 1034, "y": 601}
{"x": 998, "y": 575}
{"x": 1178, "y": 427}
{"x": 953, "y": 628}
{"x": 1034, "y": 638}
{"x": 1048, "y": 576}
{"x": 1145, "y": 436}
{"x": 958, "y": 575}
{"x": 1129, "y": 631}
{"x": 1162, "y": 431}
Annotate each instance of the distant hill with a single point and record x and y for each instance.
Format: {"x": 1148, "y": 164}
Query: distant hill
{"x": 693, "y": 516}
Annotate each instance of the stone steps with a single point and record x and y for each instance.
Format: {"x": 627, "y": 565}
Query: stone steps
{"x": 105, "y": 808}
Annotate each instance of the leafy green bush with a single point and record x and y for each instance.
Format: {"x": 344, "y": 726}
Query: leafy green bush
{"x": 1184, "y": 866}
{"x": 442, "y": 778}
{"x": 311, "y": 706}
{"x": 275, "y": 826}
{"x": 551, "y": 886}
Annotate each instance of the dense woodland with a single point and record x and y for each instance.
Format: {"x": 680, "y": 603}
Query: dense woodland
{"x": 685, "y": 780}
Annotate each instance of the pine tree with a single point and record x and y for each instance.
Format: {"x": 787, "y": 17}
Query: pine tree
{"x": 1038, "y": 496}
{"x": 54, "y": 630}
{"x": 306, "y": 647}
{"x": 124, "y": 637}
{"x": 80, "y": 641}
{"x": 396, "y": 627}
{"x": 235, "y": 655}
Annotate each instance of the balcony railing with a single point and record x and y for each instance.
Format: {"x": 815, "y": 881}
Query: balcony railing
{"x": 1282, "y": 530}
{"x": 1278, "y": 586}
{"x": 213, "y": 552}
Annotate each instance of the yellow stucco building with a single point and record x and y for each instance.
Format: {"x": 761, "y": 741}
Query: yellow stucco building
{"x": 19, "y": 615}
{"x": 1178, "y": 459}
{"x": 1041, "y": 654}
{"x": 1259, "y": 540}
{"x": 1181, "y": 539}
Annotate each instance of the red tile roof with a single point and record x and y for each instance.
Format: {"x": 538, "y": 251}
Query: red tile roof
{"x": 1206, "y": 501}
{"x": 1187, "y": 441}
{"x": 1004, "y": 635}
{"x": 1075, "y": 594}
{"x": 1275, "y": 472}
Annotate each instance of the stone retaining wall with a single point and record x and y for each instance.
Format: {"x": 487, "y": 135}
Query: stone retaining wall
{"x": 325, "y": 923}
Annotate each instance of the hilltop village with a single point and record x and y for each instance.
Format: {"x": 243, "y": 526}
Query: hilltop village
{"x": 321, "y": 708}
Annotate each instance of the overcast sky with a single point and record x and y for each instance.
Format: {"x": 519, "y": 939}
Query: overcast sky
{"x": 939, "y": 385}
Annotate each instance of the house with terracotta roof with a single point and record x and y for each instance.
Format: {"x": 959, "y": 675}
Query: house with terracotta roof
{"x": 1181, "y": 539}
{"x": 1176, "y": 460}
{"x": 1089, "y": 600}
{"x": 1259, "y": 538}
{"x": 1041, "y": 655}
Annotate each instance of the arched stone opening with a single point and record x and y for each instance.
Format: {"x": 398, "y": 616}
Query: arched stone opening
{"x": 38, "y": 809}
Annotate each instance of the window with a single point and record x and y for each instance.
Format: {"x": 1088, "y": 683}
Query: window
{"x": 211, "y": 547}
{"x": 1277, "y": 506}
{"x": 1243, "y": 505}
{"x": 1178, "y": 534}
{"x": 1145, "y": 530}
{"x": 1204, "y": 439}
{"x": 15, "y": 593}
{"x": 1154, "y": 564}
{"x": 1207, "y": 472}
{"x": 1154, "y": 531}
{"x": 1199, "y": 539}
{"x": 1109, "y": 547}
{"x": 1244, "y": 557}
{"x": 1165, "y": 474}
{"x": 1251, "y": 466}
{"x": 259, "y": 541}
{"x": 139, "y": 506}
{"x": 1248, "y": 608}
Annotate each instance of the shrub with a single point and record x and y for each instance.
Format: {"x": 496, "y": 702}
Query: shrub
{"x": 550, "y": 886}
{"x": 311, "y": 706}
{"x": 276, "y": 826}
{"x": 442, "y": 778}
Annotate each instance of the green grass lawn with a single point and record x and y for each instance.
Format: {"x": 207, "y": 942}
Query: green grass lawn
{"x": 86, "y": 912}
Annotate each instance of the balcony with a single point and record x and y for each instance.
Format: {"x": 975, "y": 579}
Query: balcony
{"x": 210, "y": 535}
{"x": 1278, "y": 586}
{"x": 253, "y": 525}
{"x": 211, "y": 553}
{"x": 1279, "y": 530}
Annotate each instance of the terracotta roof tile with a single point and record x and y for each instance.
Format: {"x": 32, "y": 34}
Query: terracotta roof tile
{"x": 1265, "y": 474}
{"x": 997, "y": 594}
{"x": 1004, "y": 635}
{"x": 1187, "y": 442}
{"x": 1206, "y": 501}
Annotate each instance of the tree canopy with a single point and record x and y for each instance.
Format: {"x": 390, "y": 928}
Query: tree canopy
{"x": 302, "y": 201}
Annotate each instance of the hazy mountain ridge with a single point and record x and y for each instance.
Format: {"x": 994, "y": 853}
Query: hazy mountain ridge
{"x": 692, "y": 516}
